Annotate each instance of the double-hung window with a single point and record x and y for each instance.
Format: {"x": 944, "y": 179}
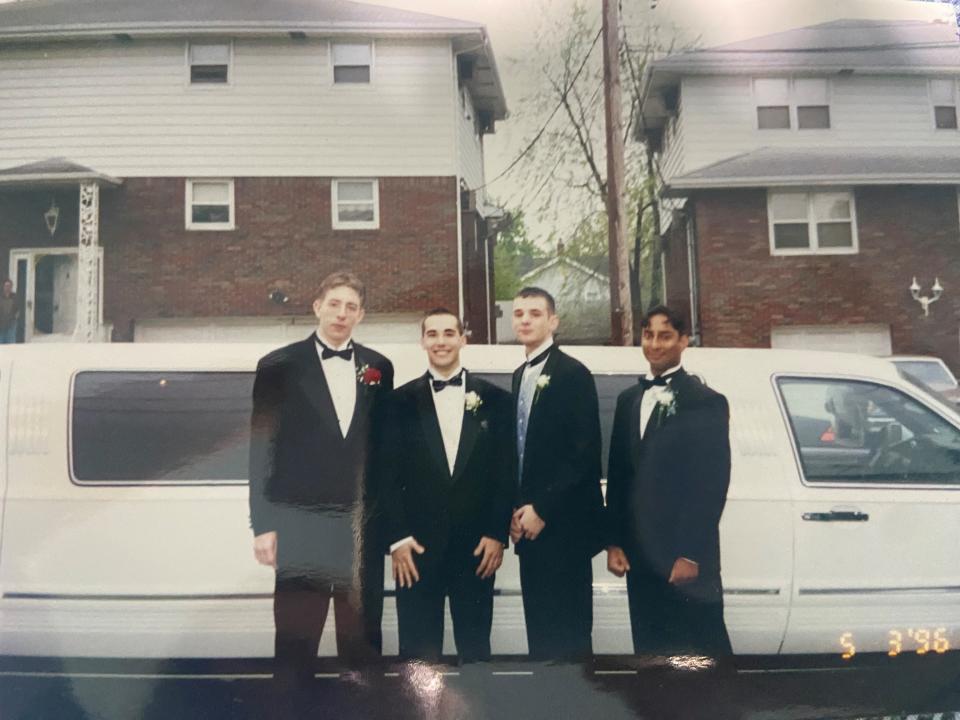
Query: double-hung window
{"x": 209, "y": 63}
{"x": 784, "y": 103}
{"x": 943, "y": 96}
{"x": 356, "y": 204}
{"x": 803, "y": 223}
{"x": 210, "y": 205}
{"x": 352, "y": 63}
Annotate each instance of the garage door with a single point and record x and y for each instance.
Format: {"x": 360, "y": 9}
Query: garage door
{"x": 863, "y": 339}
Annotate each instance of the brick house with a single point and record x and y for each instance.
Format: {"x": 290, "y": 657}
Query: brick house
{"x": 189, "y": 170}
{"x": 808, "y": 177}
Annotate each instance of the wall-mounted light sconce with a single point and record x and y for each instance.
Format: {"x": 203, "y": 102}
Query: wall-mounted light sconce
{"x": 925, "y": 300}
{"x": 278, "y": 296}
{"x": 52, "y": 216}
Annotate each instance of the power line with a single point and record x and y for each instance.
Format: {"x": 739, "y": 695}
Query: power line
{"x": 543, "y": 129}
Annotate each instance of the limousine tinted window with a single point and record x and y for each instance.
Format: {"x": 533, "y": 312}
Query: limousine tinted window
{"x": 851, "y": 431}
{"x": 145, "y": 427}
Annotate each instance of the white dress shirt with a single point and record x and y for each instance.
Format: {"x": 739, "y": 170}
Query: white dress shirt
{"x": 341, "y": 378}
{"x": 449, "y": 405}
{"x": 651, "y": 397}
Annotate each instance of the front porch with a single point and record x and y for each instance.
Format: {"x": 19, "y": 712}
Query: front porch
{"x": 46, "y": 205}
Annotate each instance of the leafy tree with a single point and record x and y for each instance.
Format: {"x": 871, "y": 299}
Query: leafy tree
{"x": 565, "y": 166}
{"x": 513, "y": 255}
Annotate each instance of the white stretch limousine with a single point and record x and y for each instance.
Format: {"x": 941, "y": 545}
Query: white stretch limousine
{"x": 125, "y": 526}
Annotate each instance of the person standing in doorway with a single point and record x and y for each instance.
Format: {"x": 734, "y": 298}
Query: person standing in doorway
{"x": 9, "y": 313}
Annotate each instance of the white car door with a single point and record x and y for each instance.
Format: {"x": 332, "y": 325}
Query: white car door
{"x": 875, "y": 513}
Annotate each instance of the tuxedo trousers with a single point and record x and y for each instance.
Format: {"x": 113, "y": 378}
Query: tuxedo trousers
{"x": 557, "y": 592}
{"x": 670, "y": 619}
{"x": 420, "y": 608}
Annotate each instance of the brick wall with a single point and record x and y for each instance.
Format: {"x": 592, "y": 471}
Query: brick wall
{"x": 155, "y": 268}
{"x": 903, "y": 231}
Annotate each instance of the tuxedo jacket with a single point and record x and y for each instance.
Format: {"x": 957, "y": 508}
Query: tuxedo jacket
{"x": 419, "y": 496}
{"x": 299, "y": 460}
{"x": 666, "y": 492}
{"x": 561, "y": 469}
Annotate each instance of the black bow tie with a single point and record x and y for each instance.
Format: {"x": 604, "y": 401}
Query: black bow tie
{"x": 456, "y": 380}
{"x": 327, "y": 353}
{"x": 647, "y": 383}
{"x": 533, "y": 362}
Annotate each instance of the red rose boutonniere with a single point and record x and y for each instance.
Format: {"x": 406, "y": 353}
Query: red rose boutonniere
{"x": 367, "y": 375}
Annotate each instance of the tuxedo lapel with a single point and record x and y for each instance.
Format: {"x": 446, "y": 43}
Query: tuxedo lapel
{"x": 548, "y": 367}
{"x": 313, "y": 382}
{"x": 635, "y": 440}
{"x": 468, "y": 433}
{"x": 429, "y": 424}
{"x": 364, "y": 391}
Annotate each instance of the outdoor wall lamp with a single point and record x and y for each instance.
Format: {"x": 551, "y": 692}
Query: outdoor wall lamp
{"x": 278, "y": 296}
{"x": 925, "y": 300}
{"x": 52, "y": 216}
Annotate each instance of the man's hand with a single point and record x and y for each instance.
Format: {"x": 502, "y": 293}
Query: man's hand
{"x": 265, "y": 548}
{"x": 404, "y": 568}
{"x": 516, "y": 532}
{"x": 684, "y": 571}
{"x": 530, "y": 523}
{"x": 491, "y": 553}
{"x": 617, "y": 562}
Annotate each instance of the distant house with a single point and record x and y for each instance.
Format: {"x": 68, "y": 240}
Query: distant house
{"x": 190, "y": 170}
{"x": 808, "y": 176}
{"x": 583, "y": 301}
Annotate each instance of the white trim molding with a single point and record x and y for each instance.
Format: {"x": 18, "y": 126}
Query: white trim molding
{"x": 191, "y": 224}
{"x": 812, "y": 222}
{"x": 336, "y": 202}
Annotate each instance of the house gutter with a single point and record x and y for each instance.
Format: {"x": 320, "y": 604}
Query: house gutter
{"x": 693, "y": 278}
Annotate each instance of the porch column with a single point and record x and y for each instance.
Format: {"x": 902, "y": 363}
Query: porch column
{"x": 88, "y": 279}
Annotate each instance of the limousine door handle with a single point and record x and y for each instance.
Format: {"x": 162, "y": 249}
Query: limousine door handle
{"x": 837, "y": 516}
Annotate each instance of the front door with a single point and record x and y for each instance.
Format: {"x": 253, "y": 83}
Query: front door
{"x": 47, "y": 286}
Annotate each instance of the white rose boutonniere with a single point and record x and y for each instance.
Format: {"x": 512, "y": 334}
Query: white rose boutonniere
{"x": 543, "y": 382}
{"x": 472, "y": 402}
{"x": 668, "y": 400}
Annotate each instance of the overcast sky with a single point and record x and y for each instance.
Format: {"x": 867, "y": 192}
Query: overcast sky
{"x": 512, "y": 24}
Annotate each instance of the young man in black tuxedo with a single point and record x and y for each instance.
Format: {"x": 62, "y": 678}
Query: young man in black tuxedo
{"x": 312, "y": 404}
{"x": 556, "y": 526}
{"x": 447, "y": 488}
{"x": 666, "y": 487}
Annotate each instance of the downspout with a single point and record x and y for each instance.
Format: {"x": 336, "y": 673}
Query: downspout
{"x": 456, "y": 174}
{"x": 456, "y": 142}
{"x": 693, "y": 276}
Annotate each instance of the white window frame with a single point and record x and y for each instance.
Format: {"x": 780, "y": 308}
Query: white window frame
{"x": 792, "y": 104}
{"x": 338, "y": 224}
{"x": 813, "y": 248}
{"x": 188, "y": 206}
{"x": 208, "y": 86}
{"x": 934, "y": 106}
{"x": 373, "y": 62}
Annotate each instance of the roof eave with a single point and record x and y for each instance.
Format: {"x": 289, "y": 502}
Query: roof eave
{"x": 681, "y": 188}
{"x": 26, "y": 180}
{"x": 174, "y": 29}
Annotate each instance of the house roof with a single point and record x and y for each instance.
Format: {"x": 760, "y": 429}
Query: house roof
{"x": 47, "y": 17}
{"x": 32, "y": 20}
{"x": 769, "y": 167}
{"x": 563, "y": 260}
{"x": 859, "y": 45}
{"x": 872, "y": 47}
{"x": 50, "y": 172}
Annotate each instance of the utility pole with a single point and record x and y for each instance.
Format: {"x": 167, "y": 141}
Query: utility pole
{"x": 621, "y": 309}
